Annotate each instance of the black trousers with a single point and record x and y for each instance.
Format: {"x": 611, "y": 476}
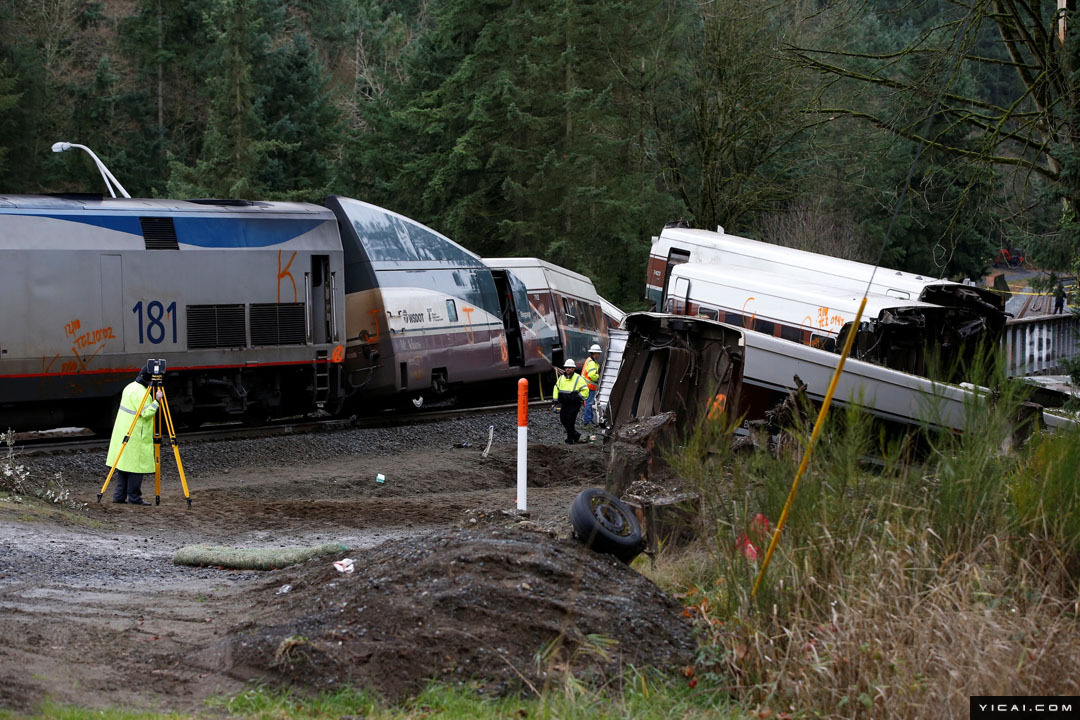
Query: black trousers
{"x": 128, "y": 486}
{"x": 568, "y": 416}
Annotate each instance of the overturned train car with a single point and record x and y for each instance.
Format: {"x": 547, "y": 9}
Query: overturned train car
{"x": 915, "y": 324}
{"x": 695, "y": 368}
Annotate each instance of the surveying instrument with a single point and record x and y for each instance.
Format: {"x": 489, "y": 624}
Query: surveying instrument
{"x": 163, "y": 426}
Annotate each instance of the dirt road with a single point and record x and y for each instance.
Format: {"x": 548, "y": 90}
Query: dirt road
{"x": 94, "y": 613}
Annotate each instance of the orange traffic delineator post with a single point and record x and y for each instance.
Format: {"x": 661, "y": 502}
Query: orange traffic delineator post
{"x": 523, "y": 440}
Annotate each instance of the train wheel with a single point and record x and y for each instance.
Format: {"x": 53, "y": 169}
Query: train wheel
{"x": 605, "y": 524}
{"x": 418, "y": 402}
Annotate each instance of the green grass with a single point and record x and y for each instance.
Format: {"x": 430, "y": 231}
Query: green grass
{"x": 948, "y": 568}
{"x": 640, "y": 695}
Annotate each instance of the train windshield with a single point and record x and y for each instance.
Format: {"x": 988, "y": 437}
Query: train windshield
{"x": 386, "y": 237}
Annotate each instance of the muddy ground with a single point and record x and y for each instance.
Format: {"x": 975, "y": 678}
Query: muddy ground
{"x": 449, "y": 582}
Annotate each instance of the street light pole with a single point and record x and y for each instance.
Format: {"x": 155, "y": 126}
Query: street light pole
{"x": 108, "y": 177}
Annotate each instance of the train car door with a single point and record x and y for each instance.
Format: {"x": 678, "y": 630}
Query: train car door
{"x": 678, "y": 299}
{"x": 320, "y": 300}
{"x": 675, "y": 257}
{"x": 515, "y": 351}
{"x": 112, "y": 300}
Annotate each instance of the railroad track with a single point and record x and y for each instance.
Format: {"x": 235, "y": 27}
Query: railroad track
{"x": 49, "y": 445}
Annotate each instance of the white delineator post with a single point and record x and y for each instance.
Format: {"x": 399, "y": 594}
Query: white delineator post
{"x": 523, "y": 440}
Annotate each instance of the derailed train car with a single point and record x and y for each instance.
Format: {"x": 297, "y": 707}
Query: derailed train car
{"x": 424, "y": 314}
{"x": 909, "y": 335}
{"x": 261, "y": 309}
{"x": 916, "y": 324}
{"x": 695, "y": 368}
{"x": 244, "y": 300}
{"x": 569, "y": 313}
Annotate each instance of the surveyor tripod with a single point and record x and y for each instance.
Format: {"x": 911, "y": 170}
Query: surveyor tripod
{"x": 163, "y": 427}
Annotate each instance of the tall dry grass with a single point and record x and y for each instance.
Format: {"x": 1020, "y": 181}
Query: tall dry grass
{"x": 914, "y": 572}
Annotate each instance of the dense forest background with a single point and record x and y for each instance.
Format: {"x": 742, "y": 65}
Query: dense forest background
{"x": 573, "y": 130}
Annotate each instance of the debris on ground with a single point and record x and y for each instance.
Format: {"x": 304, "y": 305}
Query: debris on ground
{"x": 506, "y": 608}
{"x": 251, "y": 558}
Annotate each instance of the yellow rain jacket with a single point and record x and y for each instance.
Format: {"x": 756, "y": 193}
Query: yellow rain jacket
{"x": 570, "y": 383}
{"x": 138, "y": 456}
{"x": 591, "y": 371}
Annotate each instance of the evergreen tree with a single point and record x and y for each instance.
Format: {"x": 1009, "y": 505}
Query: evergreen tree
{"x": 234, "y": 146}
{"x": 167, "y": 45}
{"x": 300, "y": 120}
{"x": 731, "y": 113}
{"x": 515, "y": 135}
{"x": 9, "y": 99}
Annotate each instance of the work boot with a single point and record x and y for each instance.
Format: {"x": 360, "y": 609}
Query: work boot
{"x": 140, "y": 501}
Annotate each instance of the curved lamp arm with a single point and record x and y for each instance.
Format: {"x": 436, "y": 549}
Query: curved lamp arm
{"x": 108, "y": 177}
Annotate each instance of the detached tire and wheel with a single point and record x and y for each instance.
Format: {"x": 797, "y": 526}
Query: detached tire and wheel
{"x": 606, "y": 524}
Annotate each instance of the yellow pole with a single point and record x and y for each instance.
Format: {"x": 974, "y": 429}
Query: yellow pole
{"x": 176, "y": 449}
{"x": 157, "y": 458}
{"x": 810, "y": 446}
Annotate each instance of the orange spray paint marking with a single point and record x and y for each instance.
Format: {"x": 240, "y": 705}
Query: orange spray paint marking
{"x": 76, "y": 354}
{"x": 719, "y": 404}
{"x": 752, "y": 317}
{"x": 468, "y": 322}
{"x": 338, "y": 355}
{"x": 375, "y": 321}
{"x": 283, "y": 273}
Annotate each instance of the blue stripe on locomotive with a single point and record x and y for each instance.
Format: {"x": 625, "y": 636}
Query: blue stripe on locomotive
{"x": 210, "y": 232}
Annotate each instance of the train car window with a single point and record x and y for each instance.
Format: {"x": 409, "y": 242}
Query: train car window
{"x": 569, "y": 310}
{"x": 451, "y": 310}
{"x": 791, "y": 333}
{"x": 764, "y": 326}
{"x": 586, "y": 316}
{"x": 708, "y": 312}
{"x": 733, "y": 319}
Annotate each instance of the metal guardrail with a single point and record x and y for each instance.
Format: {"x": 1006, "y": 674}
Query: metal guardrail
{"x": 1039, "y": 345}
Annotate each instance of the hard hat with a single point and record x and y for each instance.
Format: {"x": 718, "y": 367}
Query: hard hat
{"x": 569, "y": 363}
{"x": 595, "y": 348}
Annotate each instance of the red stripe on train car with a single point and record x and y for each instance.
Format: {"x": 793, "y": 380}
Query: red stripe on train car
{"x": 118, "y": 371}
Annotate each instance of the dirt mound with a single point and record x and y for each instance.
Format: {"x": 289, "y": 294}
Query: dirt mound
{"x": 458, "y": 605}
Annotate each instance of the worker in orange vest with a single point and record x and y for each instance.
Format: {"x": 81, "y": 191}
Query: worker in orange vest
{"x": 591, "y": 372}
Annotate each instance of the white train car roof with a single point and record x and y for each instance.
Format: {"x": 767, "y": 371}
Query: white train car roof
{"x": 89, "y": 223}
{"x": 539, "y": 274}
{"x": 777, "y": 295}
{"x": 612, "y": 311}
{"x": 707, "y": 246}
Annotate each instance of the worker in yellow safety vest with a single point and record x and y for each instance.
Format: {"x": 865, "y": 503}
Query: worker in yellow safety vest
{"x": 570, "y": 392}
{"x": 138, "y": 457}
{"x": 591, "y": 371}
